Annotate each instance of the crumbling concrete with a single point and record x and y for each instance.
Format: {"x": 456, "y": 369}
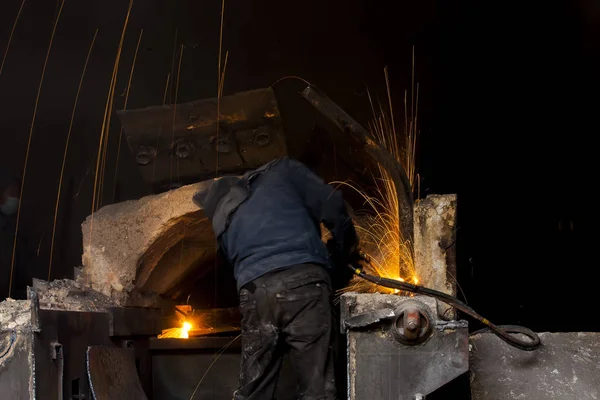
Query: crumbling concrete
{"x": 69, "y": 295}
{"x": 125, "y": 242}
{"x": 566, "y": 366}
{"x": 435, "y": 245}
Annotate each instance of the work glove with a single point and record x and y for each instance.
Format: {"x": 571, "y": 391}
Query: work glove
{"x": 341, "y": 274}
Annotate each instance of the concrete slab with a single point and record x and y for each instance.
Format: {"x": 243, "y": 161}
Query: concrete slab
{"x": 566, "y": 366}
{"x": 124, "y": 244}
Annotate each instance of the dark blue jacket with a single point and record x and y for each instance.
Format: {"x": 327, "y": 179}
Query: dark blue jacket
{"x": 270, "y": 218}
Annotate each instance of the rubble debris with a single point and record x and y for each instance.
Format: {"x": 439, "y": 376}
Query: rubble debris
{"x": 17, "y": 315}
{"x": 69, "y": 295}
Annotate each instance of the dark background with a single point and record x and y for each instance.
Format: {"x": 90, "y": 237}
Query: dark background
{"x": 507, "y": 110}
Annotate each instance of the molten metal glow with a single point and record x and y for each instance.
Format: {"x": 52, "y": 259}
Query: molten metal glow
{"x": 184, "y": 334}
{"x": 177, "y": 333}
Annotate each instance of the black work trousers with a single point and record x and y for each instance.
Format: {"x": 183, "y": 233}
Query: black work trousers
{"x": 287, "y": 310}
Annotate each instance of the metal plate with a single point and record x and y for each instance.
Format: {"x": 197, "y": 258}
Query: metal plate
{"x": 112, "y": 374}
{"x": 567, "y": 366}
{"x": 380, "y": 367}
{"x": 179, "y": 144}
{"x": 73, "y": 332}
{"x": 209, "y": 366}
{"x": 16, "y": 371}
{"x": 134, "y": 321}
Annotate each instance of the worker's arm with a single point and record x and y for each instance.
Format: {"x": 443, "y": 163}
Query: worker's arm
{"x": 325, "y": 205}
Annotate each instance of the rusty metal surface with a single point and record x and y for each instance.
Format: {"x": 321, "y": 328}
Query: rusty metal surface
{"x": 16, "y": 369}
{"x": 112, "y": 374}
{"x": 209, "y": 364}
{"x": 134, "y": 321}
{"x": 381, "y": 366}
{"x": 60, "y": 349}
{"x": 369, "y": 318}
{"x": 179, "y": 144}
{"x": 48, "y": 361}
{"x": 567, "y": 366}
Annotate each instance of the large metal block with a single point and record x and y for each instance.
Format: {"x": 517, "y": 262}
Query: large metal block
{"x": 205, "y": 367}
{"x": 184, "y": 143}
{"x": 18, "y": 324}
{"x": 16, "y": 366}
{"x": 567, "y": 366}
{"x": 43, "y": 352}
{"x": 113, "y": 375}
{"x": 383, "y": 363}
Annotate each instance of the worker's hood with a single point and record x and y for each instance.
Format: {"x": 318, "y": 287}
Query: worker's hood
{"x": 209, "y": 197}
{"x": 224, "y": 195}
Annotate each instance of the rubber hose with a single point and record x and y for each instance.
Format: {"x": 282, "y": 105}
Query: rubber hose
{"x": 503, "y": 332}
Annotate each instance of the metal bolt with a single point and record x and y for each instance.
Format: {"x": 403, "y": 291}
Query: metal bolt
{"x": 412, "y": 323}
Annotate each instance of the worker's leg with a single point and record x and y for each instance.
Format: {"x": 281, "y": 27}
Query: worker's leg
{"x": 261, "y": 353}
{"x": 308, "y": 332}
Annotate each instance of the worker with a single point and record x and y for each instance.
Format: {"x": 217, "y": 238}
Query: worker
{"x": 9, "y": 201}
{"x": 267, "y": 225}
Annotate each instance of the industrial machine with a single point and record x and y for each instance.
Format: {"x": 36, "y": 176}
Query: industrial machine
{"x": 398, "y": 347}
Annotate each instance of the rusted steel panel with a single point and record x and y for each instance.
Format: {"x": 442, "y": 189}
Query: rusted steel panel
{"x": 184, "y": 143}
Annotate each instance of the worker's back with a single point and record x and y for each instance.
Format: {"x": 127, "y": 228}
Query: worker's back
{"x": 273, "y": 228}
{"x": 267, "y": 225}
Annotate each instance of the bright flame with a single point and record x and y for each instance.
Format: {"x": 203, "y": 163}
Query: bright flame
{"x": 177, "y": 333}
{"x": 185, "y": 330}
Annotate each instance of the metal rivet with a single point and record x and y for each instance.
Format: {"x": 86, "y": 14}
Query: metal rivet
{"x": 145, "y": 155}
{"x": 262, "y": 138}
{"x": 224, "y": 145}
{"x": 184, "y": 149}
{"x": 318, "y": 285}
